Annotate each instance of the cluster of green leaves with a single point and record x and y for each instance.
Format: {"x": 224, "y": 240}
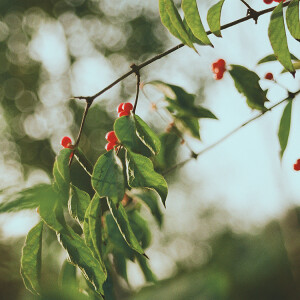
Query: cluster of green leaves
{"x": 108, "y": 225}
{"x": 181, "y": 105}
{"x": 190, "y": 30}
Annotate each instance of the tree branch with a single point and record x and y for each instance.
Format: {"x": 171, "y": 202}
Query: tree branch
{"x": 196, "y": 155}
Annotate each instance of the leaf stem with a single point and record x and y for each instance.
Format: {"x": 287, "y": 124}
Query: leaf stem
{"x": 136, "y": 70}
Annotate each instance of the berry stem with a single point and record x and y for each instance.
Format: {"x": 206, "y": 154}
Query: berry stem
{"x": 86, "y": 110}
{"x": 136, "y": 69}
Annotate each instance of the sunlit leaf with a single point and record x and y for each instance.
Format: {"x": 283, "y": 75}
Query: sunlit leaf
{"x": 26, "y": 199}
{"x": 140, "y": 228}
{"x": 107, "y": 177}
{"x": 214, "y": 18}
{"x": 140, "y": 173}
{"x": 193, "y": 20}
{"x": 31, "y": 258}
{"x": 272, "y": 57}
{"x": 146, "y": 135}
{"x": 188, "y": 125}
{"x": 82, "y": 257}
{"x": 78, "y": 203}
{"x": 126, "y": 132}
{"x": 67, "y": 276}
{"x": 95, "y": 227}
{"x": 172, "y": 21}
{"x": 278, "y": 38}
{"x": 247, "y": 83}
{"x": 292, "y": 19}
{"x": 148, "y": 274}
{"x": 284, "y": 127}
{"x": 121, "y": 219}
{"x": 150, "y": 199}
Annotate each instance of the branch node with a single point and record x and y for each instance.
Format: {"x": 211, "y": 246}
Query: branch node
{"x": 253, "y": 14}
{"x": 194, "y": 155}
{"x": 135, "y": 69}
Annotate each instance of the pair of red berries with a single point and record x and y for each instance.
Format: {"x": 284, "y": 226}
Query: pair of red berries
{"x": 112, "y": 140}
{"x": 297, "y": 165}
{"x": 269, "y": 76}
{"x": 219, "y": 67}
{"x": 270, "y": 1}
{"x": 124, "y": 109}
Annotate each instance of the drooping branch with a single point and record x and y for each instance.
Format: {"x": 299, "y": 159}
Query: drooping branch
{"x": 225, "y": 137}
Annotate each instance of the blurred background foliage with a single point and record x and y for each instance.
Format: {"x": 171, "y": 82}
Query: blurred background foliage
{"x": 51, "y": 50}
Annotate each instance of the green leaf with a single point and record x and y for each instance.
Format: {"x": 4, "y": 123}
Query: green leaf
{"x": 82, "y": 257}
{"x": 214, "y": 18}
{"x": 191, "y": 35}
{"x": 78, "y": 203}
{"x": 292, "y": 19}
{"x": 140, "y": 228}
{"x": 193, "y": 20}
{"x": 140, "y": 173}
{"x": 246, "y": 82}
{"x": 120, "y": 265}
{"x": 189, "y": 125}
{"x": 61, "y": 173}
{"x": 126, "y": 132}
{"x": 284, "y": 127}
{"x": 172, "y": 21}
{"x": 121, "y": 219}
{"x": 95, "y": 227}
{"x": 170, "y": 142}
{"x": 278, "y": 39}
{"x": 67, "y": 277}
{"x": 26, "y": 199}
{"x": 107, "y": 177}
{"x": 52, "y": 212}
{"x": 272, "y": 57}
{"x": 86, "y": 230}
{"x": 31, "y": 259}
{"x": 150, "y": 199}
{"x": 146, "y": 135}
{"x": 148, "y": 274}
{"x": 296, "y": 66}
{"x": 116, "y": 240}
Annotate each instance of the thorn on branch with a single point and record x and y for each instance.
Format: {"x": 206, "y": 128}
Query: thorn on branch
{"x": 194, "y": 155}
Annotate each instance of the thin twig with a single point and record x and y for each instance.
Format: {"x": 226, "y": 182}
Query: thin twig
{"x": 86, "y": 110}
{"x": 182, "y": 163}
{"x": 249, "y": 7}
{"x": 138, "y": 81}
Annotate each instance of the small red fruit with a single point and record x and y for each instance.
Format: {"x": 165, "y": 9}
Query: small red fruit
{"x": 218, "y": 68}
{"x": 123, "y": 113}
{"x": 219, "y": 75}
{"x": 111, "y": 137}
{"x": 269, "y": 76}
{"x": 120, "y": 107}
{"x": 297, "y": 165}
{"x": 268, "y": 1}
{"x": 109, "y": 146}
{"x": 127, "y": 107}
{"x": 66, "y": 142}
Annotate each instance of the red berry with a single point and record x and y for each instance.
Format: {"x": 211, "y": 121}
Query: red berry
{"x": 269, "y": 76}
{"x": 296, "y": 167}
{"x": 219, "y": 75}
{"x": 279, "y": 1}
{"x": 221, "y": 63}
{"x": 214, "y": 66}
{"x": 123, "y": 113}
{"x": 127, "y": 107}
{"x": 111, "y": 137}
{"x": 66, "y": 142}
{"x": 268, "y": 1}
{"x": 109, "y": 146}
{"x": 120, "y": 107}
